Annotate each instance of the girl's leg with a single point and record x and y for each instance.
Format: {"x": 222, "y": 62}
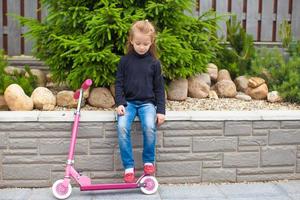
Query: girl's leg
{"x": 147, "y": 116}
{"x": 124, "y": 136}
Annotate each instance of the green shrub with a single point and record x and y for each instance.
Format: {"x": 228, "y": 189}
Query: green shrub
{"x": 290, "y": 87}
{"x": 270, "y": 65}
{"x": 85, "y": 39}
{"x": 4, "y": 79}
{"x": 281, "y": 75}
{"x": 28, "y": 84}
{"x": 236, "y": 57}
{"x": 294, "y": 48}
{"x": 285, "y": 33}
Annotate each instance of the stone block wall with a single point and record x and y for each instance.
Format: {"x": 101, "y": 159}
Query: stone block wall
{"x": 191, "y": 148}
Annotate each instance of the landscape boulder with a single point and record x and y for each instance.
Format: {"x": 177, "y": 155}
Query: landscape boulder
{"x": 241, "y": 83}
{"x": 178, "y": 90}
{"x": 65, "y": 98}
{"x": 212, "y": 70}
{"x": 226, "y": 88}
{"x": 43, "y": 99}
{"x": 16, "y": 98}
{"x": 259, "y": 92}
{"x": 274, "y": 97}
{"x": 224, "y": 75}
{"x": 197, "y": 88}
{"x": 101, "y": 97}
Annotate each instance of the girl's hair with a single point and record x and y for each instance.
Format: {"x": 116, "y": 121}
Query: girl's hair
{"x": 145, "y": 27}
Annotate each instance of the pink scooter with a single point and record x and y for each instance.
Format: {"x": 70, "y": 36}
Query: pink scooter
{"x": 62, "y": 188}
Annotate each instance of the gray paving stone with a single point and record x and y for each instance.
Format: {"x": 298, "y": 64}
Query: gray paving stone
{"x": 190, "y": 192}
{"x": 262, "y": 198}
{"x": 250, "y": 190}
{"x": 241, "y": 191}
{"x": 294, "y": 197}
{"x": 134, "y": 194}
{"x": 14, "y": 194}
{"x": 197, "y": 198}
{"x": 290, "y": 187}
{"x": 41, "y": 194}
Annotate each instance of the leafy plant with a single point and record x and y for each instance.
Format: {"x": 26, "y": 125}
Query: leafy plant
{"x": 237, "y": 56}
{"x": 285, "y": 33}
{"x": 4, "y": 79}
{"x": 28, "y": 84}
{"x": 282, "y": 75}
{"x": 270, "y": 65}
{"x": 85, "y": 39}
{"x": 290, "y": 87}
{"x": 294, "y": 48}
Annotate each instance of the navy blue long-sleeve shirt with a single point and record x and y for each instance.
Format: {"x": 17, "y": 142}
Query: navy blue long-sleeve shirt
{"x": 139, "y": 78}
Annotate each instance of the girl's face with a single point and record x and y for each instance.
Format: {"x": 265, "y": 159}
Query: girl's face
{"x": 141, "y": 42}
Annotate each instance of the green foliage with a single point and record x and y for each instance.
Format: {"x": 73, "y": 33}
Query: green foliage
{"x": 28, "y": 84}
{"x": 186, "y": 51}
{"x": 285, "y": 33}
{"x": 294, "y": 48}
{"x": 85, "y": 38}
{"x": 270, "y": 65}
{"x": 4, "y": 79}
{"x": 290, "y": 87}
{"x": 282, "y": 75}
{"x": 236, "y": 57}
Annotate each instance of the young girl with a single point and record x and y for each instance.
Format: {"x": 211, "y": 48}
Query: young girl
{"x": 139, "y": 92}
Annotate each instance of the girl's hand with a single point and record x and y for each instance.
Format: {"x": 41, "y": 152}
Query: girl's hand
{"x": 160, "y": 119}
{"x": 121, "y": 110}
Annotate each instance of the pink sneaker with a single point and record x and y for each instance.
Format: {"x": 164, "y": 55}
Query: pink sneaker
{"x": 149, "y": 169}
{"x": 129, "y": 177}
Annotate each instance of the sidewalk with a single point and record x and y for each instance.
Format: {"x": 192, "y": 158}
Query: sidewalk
{"x": 281, "y": 190}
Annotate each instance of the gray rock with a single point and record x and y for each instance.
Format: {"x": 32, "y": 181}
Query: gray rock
{"x": 101, "y": 97}
{"x": 224, "y": 75}
{"x": 197, "y": 88}
{"x": 212, "y": 70}
{"x": 241, "y": 83}
{"x": 65, "y": 99}
{"x": 226, "y": 88}
{"x": 178, "y": 90}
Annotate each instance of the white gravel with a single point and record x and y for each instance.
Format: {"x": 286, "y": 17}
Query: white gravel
{"x": 193, "y": 104}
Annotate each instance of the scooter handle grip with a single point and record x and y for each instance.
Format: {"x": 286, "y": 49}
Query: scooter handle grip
{"x": 85, "y": 85}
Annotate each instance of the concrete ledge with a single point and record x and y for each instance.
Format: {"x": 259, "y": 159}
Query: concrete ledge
{"x": 106, "y": 116}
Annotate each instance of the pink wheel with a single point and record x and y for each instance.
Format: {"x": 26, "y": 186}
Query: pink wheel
{"x": 60, "y": 191}
{"x": 151, "y": 185}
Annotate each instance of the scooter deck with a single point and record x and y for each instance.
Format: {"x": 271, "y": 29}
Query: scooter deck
{"x": 110, "y": 186}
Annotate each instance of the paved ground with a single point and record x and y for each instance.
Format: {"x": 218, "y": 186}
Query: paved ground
{"x": 283, "y": 190}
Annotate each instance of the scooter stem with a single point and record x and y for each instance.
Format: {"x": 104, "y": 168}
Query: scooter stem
{"x": 75, "y": 129}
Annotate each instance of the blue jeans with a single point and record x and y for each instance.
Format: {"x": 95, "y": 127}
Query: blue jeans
{"x": 147, "y": 115}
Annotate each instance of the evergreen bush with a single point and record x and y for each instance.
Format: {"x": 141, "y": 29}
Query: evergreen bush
{"x": 84, "y": 38}
{"x": 237, "y": 55}
{"x": 281, "y": 74}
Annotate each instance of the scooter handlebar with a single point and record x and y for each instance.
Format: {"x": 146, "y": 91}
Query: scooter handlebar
{"x": 85, "y": 85}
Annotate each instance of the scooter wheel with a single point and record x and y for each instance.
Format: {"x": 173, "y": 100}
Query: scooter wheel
{"x": 151, "y": 185}
{"x": 60, "y": 191}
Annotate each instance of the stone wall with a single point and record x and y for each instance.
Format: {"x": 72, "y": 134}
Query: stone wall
{"x": 192, "y": 147}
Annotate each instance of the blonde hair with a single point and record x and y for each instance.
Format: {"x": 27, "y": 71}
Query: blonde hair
{"x": 145, "y": 27}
